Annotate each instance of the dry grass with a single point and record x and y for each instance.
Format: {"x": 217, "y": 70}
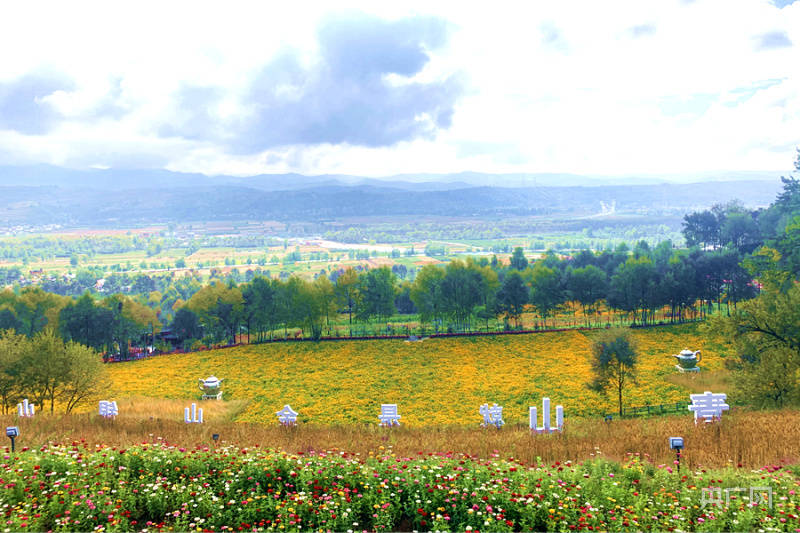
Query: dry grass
{"x": 717, "y": 381}
{"x": 752, "y": 439}
{"x": 140, "y": 408}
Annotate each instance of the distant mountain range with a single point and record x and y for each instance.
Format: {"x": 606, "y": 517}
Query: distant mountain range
{"x": 50, "y": 195}
{"x": 116, "y": 179}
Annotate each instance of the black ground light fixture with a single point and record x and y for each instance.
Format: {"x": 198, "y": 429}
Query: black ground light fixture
{"x": 676, "y": 443}
{"x": 12, "y": 432}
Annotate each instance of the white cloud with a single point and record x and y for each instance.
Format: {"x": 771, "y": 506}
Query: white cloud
{"x": 593, "y": 87}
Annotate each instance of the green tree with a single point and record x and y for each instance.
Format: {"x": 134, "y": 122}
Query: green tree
{"x": 765, "y": 333}
{"x": 347, "y": 293}
{"x": 631, "y": 287}
{"x": 260, "y": 305}
{"x": 788, "y": 246}
{"x": 45, "y": 368}
{"x": 701, "y": 228}
{"x": 12, "y": 350}
{"x": 377, "y": 287}
{"x": 614, "y": 358}
{"x": 587, "y": 286}
{"x": 518, "y": 260}
{"x": 773, "y": 221}
{"x": 766, "y": 380}
{"x": 326, "y": 294}
{"x": 512, "y": 297}
{"x": 131, "y": 321}
{"x": 84, "y": 322}
{"x": 8, "y": 319}
{"x": 426, "y": 293}
{"x": 402, "y": 300}
{"x": 50, "y": 371}
{"x": 547, "y": 293}
{"x": 461, "y": 290}
{"x": 741, "y": 231}
{"x": 679, "y": 283}
{"x": 86, "y": 378}
{"x": 36, "y": 309}
{"x": 220, "y": 308}
{"x": 305, "y": 306}
{"x": 186, "y": 325}
{"x": 490, "y": 287}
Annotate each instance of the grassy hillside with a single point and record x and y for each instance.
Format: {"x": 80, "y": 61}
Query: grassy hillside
{"x": 434, "y": 382}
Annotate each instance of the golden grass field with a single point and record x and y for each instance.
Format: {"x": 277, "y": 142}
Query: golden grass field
{"x": 750, "y": 438}
{"x": 437, "y": 382}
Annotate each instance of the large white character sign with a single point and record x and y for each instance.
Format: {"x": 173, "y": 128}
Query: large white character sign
{"x": 708, "y": 406}
{"x": 545, "y": 427}
{"x": 25, "y": 409}
{"x": 108, "y": 409}
{"x": 492, "y": 416}
{"x": 287, "y": 416}
{"x": 193, "y": 417}
{"x": 389, "y": 416}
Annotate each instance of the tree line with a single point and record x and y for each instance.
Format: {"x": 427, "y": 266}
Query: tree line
{"x": 112, "y": 324}
{"x": 47, "y": 247}
{"x": 463, "y": 295}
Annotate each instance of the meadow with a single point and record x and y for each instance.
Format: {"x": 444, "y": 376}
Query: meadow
{"x": 435, "y": 382}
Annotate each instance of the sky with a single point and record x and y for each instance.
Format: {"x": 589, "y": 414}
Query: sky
{"x": 384, "y": 88}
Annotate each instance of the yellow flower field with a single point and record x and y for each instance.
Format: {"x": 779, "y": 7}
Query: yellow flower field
{"x": 435, "y": 382}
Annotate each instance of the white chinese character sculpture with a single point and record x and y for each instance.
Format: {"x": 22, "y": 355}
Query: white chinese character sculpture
{"x": 287, "y": 416}
{"x": 195, "y": 417}
{"x": 389, "y": 416}
{"x": 708, "y": 406}
{"x": 25, "y": 409}
{"x": 492, "y": 416}
{"x": 108, "y": 409}
{"x": 211, "y": 388}
{"x": 546, "y": 428}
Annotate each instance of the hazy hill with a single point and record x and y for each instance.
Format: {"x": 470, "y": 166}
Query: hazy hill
{"x": 45, "y": 195}
{"x": 46, "y": 175}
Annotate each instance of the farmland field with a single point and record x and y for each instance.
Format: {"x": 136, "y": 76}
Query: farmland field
{"x": 437, "y": 382}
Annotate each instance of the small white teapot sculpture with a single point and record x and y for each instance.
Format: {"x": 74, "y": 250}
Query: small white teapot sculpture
{"x": 210, "y": 383}
{"x": 688, "y": 359}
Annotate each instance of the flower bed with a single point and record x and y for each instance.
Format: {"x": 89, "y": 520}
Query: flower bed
{"x": 156, "y": 487}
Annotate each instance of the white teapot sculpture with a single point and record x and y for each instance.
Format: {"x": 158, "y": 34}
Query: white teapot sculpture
{"x": 687, "y": 360}
{"x": 211, "y": 388}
